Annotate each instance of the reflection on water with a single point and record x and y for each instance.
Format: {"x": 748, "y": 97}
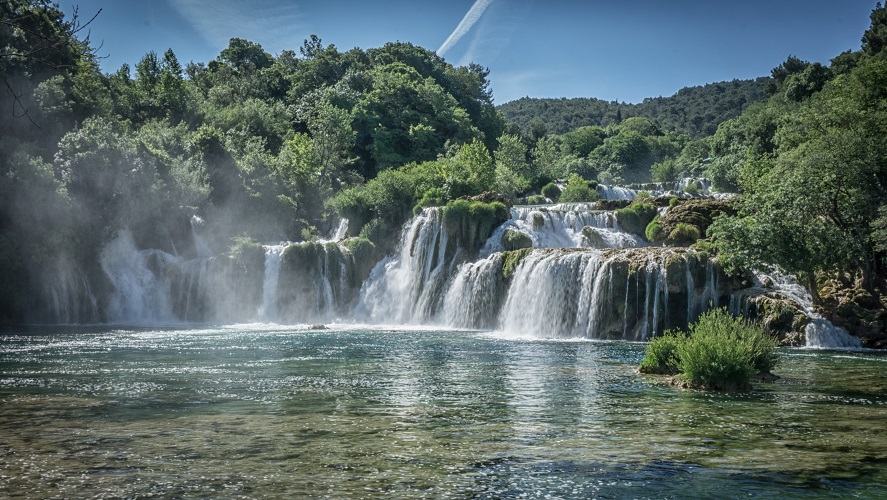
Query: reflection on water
{"x": 259, "y": 412}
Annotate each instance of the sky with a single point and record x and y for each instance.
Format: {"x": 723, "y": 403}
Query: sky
{"x": 617, "y": 50}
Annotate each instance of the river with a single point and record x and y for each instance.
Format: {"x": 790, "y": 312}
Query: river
{"x": 372, "y": 411}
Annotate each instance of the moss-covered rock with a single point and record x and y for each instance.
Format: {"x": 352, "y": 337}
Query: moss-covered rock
{"x": 511, "y": 259}
{"x": 593, "y": 237}
{"x": 683, "y": 235}
{"x": 513, "y": 239}
{"x": 779, "y": 316}
{"x": 364, "y": 255}
{"x": 635, "y": 217}
{"x": 316, "y": 281}
{"x": 470, "y": 223}
{"x": 696, "y": 213}
{"x": 848, "y": 304}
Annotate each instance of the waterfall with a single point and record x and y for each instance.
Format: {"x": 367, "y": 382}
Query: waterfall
{"x": 271, "y": 278}
{"x": 141, "y": 290}
{"x": 407, "y": 288}
{"x": 584, "y": 277}
{"x": 68, "y": 294}
{"x": 822, "y": 333}
{"x": 616, "y": 192}
{"x": 564, "y": 226}
{"x": 475, "y": 295}
{"x": 627, "y": 294}
{"x": 341, "y": 231}
{"x": 819, "y": 332}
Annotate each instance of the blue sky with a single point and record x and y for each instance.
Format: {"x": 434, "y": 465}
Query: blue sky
{"x": 622, "y": 50}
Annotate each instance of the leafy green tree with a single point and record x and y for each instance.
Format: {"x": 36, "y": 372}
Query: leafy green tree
{"x": 245, "y": 56}
{"x": 511, "y": 155}
{"x": 578, "y": 190}
{"x": 809, "y": 208}
{"x": 875, "y": 38}
{"x": 546, "y": 159}
{"x": 582, "y": 141}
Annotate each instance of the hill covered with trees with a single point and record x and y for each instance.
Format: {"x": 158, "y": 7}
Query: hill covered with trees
{"x": 694, "y": 111}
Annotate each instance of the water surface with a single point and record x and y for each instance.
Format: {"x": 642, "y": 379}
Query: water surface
{"x": 261, "y": 411}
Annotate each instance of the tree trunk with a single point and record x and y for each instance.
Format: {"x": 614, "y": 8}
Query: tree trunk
{"x": 814, "y": 289}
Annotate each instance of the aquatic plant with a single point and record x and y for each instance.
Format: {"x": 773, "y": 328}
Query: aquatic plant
{"x": 720, "y": 352}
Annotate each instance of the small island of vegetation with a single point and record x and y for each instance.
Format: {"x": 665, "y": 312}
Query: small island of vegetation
{"x": 719, "y": 352}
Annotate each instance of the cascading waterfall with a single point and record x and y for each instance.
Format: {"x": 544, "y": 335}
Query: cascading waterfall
{"x": 341, "y": 231}
{"x": 142, "y": 292}
{"x": 407, "y": 288}
{"x": 68, "y": 295}
{"x": 820, "y": 332}
{"x": 628, "y": 295}
{"x": 270, "y": 281}
{"x": 475, "y": 295}
{"x": 564, "y": 226}
{"x": 585, "y": 277}
{"x": 616, "y": 192}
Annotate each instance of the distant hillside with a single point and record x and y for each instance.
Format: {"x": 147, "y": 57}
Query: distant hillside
{"x": 695, "y": 111}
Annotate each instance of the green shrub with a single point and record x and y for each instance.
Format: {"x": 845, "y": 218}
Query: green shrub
{"x": 662, "y": 354}
{"x": 635, "y": 217}
{"x": 376, "y": 231}
{"x": 433, "y": 197}
{"x": 684, "y": 234}
{"x": 536, "y": 199}
{"x": 578, "y": 190}
{"x": 654, "y": 231}
{"x": 693, "y": 188}
{"x": 244, "y": 244}
{"x": 720, "y": 352}
{"x": 551, "y": 191}
{"x": 673, "y": 201}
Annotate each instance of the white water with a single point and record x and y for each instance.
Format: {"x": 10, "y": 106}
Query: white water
{"x": 602, "y": 284}
{"x": 270, "y": 282}
{"x": 819, "y": 332}
{"x": 142, "y": 291}
{"x": 407, "y": 287}
{"x": 564, "y": 226}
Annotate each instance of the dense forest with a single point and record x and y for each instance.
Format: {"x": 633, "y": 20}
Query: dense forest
{"x": 254, "y": 147}
{"x": 694, "y": 111}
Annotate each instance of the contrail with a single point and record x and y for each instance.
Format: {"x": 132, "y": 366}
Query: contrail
{"x": 467, "y": 22}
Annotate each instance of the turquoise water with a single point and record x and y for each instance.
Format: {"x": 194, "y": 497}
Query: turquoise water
{"x": 257, "y": 411}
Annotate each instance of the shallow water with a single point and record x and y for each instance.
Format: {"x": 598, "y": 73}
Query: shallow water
{"x": 258, "y": 411}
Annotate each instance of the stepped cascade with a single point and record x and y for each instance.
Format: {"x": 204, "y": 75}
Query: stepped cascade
{"x": 555, "y": 271}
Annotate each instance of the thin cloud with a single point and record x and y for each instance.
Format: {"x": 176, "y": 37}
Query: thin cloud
{"x": 471, "y": 17}
{"x": 271, "y": 23}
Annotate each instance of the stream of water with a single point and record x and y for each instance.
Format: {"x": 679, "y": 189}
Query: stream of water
{"x": 263, "y": 411}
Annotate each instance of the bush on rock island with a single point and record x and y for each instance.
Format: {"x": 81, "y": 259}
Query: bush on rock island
{"x": 720, "y": 352}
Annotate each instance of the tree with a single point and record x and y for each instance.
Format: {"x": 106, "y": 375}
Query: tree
{"x": 875, "y": 38}
{"x": 245, "y": 56}
{"x": 513, "y": 174}
{"x": 809, "y": 206}
{"x": 36, "y": 42}
{"x": 578, "y": 190}
{"x": 584, "y": 140}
